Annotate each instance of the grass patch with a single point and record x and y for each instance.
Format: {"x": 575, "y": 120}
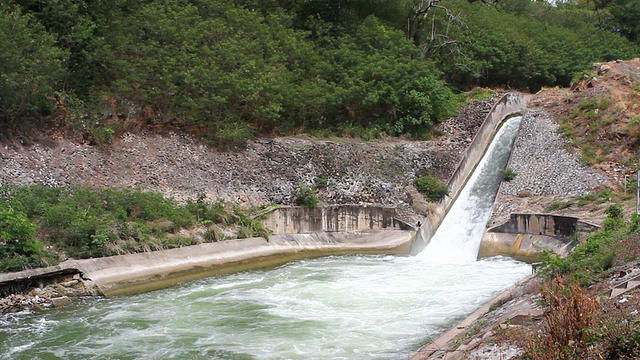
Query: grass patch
{"x": 558, "y": 205}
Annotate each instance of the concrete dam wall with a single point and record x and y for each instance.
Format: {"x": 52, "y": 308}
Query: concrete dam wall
{"x": 525, "y": 236}
{"x": 333, "y": 218}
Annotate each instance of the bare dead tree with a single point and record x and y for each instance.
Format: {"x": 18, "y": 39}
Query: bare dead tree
{"x": 444, "y": 41}
{"x": 420, "y": 11}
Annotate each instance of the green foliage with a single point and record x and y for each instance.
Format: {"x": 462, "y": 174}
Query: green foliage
{"x": 625, "y": 17}
{"x": 432, "y": 188}
{"x": 307, "y": 196}
{"x": 19, "y": 248}
{"x": 82, "y": 222}
{"x": 230, "y": 70}
{"x": 508, "y": 174}
{"x": 558, "y": 205}
{"x": 594, "y": 103}
{"x": 614, "y": 220}
{"x": 229, "y": 136}
{"x": 30, "y": 68}
{"x": 525, "y": 47}
{"x": 585, "y": 263}
{"x": 589, "y": 260}
{"x": 85, "y": 222}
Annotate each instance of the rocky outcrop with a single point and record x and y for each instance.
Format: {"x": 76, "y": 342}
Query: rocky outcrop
{"x": 53, "y": 292}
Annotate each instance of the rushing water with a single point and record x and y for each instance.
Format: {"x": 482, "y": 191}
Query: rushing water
{"x": 348, "y": 307}
{"x": 458, "y": 237}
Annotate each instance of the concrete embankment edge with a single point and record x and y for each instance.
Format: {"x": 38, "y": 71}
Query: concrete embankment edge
{"x": 441, "y": 347}
{"x": 134, "y": 273}
{"x": 509, "y": 105}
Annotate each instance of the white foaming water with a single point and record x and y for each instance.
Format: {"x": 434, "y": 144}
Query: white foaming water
{"x": 458, "y": 238}
{"x": 349, "y": 307}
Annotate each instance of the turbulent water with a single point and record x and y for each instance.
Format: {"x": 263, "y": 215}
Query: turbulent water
{"x": 458, "y": 237}
{"x": 354, "y": 307}
{"x": 348, "y": 307}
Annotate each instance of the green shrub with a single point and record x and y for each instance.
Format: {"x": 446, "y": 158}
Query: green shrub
{"x": 229, "y": 136}
{"x": 432, "y": 188}
{"x": 614, "y": 219}
{"x": 307, "y": 197}
{"x": 508, "y": 174}
{"x": 81, "y": 222}
{"x": 19, "y": 248}
{"x": 588, "y": 260}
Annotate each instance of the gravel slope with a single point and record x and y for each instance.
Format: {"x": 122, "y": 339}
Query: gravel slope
{"x": 546, "y": 171}
{"x": 268, "y": 170}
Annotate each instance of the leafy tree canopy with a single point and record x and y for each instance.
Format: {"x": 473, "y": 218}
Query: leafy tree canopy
{"x": 230, "y": 69}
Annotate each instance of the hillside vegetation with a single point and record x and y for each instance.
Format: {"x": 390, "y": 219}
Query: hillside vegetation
{"x": 230, "y": 70}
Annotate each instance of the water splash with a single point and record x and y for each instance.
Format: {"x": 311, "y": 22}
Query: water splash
{"x": 458, "y": 238}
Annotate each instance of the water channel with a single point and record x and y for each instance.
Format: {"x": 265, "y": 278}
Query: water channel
{"x": 348, "y": 307}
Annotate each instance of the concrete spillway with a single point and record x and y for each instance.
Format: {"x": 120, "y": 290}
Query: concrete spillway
{"x": 458, "y": 237}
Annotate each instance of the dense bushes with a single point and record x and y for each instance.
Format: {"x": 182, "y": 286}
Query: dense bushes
{"x": 31, "y": 68}
{"x": 526, "y": 47}
{"x": 18, "y": 245}
{"x": 41, "y": 225}
{"x": 228, "y": 70}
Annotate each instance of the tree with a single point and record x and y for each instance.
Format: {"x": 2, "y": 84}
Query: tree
{"x": 626, "y": 14}
{"x": 30, "y": 68}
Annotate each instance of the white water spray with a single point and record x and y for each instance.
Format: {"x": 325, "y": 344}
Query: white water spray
{"x": 458, "y": 238}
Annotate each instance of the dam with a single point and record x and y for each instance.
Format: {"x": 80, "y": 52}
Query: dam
{"x": 335, "y": 307}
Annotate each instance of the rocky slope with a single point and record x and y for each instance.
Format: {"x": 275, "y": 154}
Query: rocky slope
{"x": 268, "y": 170}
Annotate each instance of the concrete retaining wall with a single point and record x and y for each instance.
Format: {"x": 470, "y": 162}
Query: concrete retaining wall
{"x": 334, "y": 218}
{"x": 509, "y": 105}
{"x": 559, "y": 226}
{"x": 134, "y": 273}
{"x": 525, "y": 236}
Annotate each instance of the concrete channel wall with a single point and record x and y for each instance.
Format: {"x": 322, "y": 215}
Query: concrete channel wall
{"x": 126, "y": 274}
{"x": 333, "y": 218}
{"x": 525, "y": 236}
{"x": 509, "y": 105}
